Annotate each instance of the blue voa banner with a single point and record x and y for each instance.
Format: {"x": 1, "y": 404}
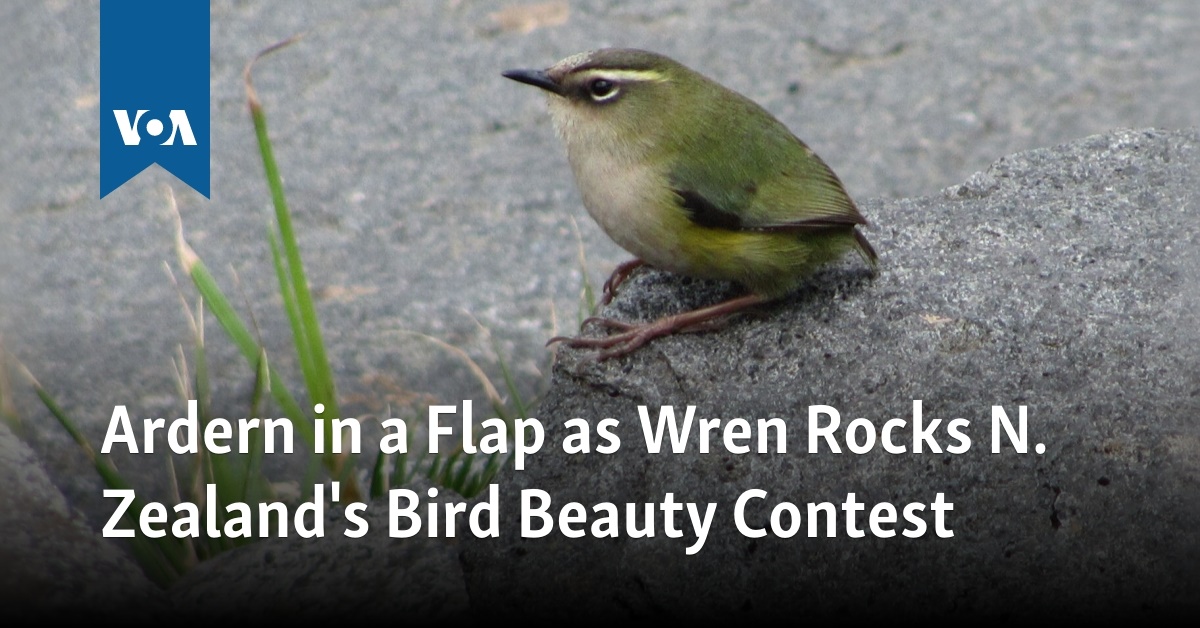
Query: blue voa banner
{"x": 154, "y": 86}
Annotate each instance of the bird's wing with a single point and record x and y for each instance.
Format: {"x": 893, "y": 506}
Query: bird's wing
{"x": 705, "y": 213}
{"x": 784, "y": 202}
{"x": 780, "y": 186}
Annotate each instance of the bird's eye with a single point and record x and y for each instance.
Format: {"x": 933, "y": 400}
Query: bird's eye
{"x": 601, "y": 89}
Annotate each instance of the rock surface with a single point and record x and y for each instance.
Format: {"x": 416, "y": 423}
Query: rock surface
{"x": 336, "y": 578}
{"x": 430, "y": 193}
{"x": 425, "y": 187}
{"x": 52, "y": 564}
{"x": 1062, "y": 279}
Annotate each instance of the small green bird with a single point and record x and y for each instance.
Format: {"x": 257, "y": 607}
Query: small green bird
{"x": 694, "y": 178}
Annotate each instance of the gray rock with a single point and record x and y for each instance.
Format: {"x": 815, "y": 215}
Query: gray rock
{"x": 426, "y": 187}
{"x": 1062, "y": 279}
{"x": 52, "y": 565}
{"x": 334, "y": 578}
{"x": 429, "y": 192}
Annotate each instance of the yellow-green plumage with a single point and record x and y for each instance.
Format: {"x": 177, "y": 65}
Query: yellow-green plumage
{"x": 768, "y": 264}
{"x": 692, "y": 177}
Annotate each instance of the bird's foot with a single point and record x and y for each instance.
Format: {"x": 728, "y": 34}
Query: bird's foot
{"x": 618, "y": 277}
{"x": 607, "y": 323}
{"x": 632, "y": 336}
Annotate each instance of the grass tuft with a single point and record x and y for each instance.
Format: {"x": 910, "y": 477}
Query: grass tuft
{"x": 240, "y": 478}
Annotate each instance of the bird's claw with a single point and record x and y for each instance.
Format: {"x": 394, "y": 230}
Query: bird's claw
{"x": 580, "y": 341}
{"x": 632, "y": 336}
{"x": 607, "y": 323}
{"x": 616, "y": 345}
{"x": 618, "y": 277}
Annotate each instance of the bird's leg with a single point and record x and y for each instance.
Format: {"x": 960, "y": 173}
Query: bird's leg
{"x": 618, "y": 277}
{"x": 632, "y": 336}
{"x": 608, "y": 323}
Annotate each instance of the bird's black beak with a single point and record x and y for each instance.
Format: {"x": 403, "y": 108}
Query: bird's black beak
{"x": 536, "y": 78}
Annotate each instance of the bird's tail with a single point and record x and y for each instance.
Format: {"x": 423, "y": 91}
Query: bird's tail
{"x": 866, "y": 250}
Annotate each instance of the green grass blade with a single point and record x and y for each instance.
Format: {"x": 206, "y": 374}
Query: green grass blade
{"x": 254, "y": 486}
{"x": 587, "y": 301}
{"x": 8, "y": 410}
{"x": 295, "y": 321}
{"x": 379, "y": 476}
{"x": 237, "y": 331}
{"x": 318, "y": 375}
{"x": 163, "y": 560}
{"x": 464, "y": 471}
{"x": 320, "y": 387}
{"x": 494, "y": 464}
{"x": 514, "y": 394}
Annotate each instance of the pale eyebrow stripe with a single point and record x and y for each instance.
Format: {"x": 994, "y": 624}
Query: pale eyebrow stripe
{"x": 626, "y": 75}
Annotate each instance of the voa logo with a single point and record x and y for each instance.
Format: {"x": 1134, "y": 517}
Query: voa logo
{"x": 131, "y": 129}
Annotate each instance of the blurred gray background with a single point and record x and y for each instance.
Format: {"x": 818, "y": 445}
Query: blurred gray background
{"x": 431, "y": 196}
